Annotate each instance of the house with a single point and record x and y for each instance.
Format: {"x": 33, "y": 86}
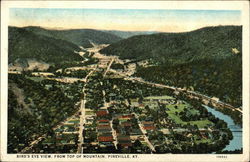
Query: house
{"x": 103, "y": 121}
{"x": 148, "y": 125}
{"x": 103, "y": 125}
{"x": 126, "y": 124}
{"x": 89, "y": 119}
{"x": 124, "y": 140}
{"x": 104, "y": 130}
{"x": 105, "y": 139}
{"x": 125, "y": 143}
{"x": 128, "y": 116}
{"x": 101, "y": 113}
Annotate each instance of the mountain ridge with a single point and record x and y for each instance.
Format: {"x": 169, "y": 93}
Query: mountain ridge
{"x": 182, "y": 46}
{"x": 80, "y": 37}
{"x": 127, "y": 34}
{"x": 24, "y": 44}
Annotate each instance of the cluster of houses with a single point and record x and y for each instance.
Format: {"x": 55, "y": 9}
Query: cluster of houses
{"x": 105, "y": 137}
{"x": 128, "y": 130}
{"x": 104, "y": 129}
{"x": 65, "y": 134}
{"x": 70, "y": 126}
{"x": 123, "y": 130}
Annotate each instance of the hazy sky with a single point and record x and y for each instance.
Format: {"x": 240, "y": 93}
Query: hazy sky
{"x": 123, "y": 19}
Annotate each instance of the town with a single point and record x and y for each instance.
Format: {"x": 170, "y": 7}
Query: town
{"x": 118, "y": 113}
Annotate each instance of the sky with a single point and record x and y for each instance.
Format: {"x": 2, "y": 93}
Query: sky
{"x": 163, "y": 20}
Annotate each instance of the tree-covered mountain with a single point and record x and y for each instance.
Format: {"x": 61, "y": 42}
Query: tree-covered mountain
{"x": 208, "y": 60}
{"x": 80, "y": 37}
{"x": 205, "y": 43}
{"x": 24, "y": 44}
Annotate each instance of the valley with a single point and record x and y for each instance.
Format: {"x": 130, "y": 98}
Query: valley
{"x": 113, "y": 110}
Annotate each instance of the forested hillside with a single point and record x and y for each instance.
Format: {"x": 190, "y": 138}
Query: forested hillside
{"x": 55, "y": 47}
{"x": 24, "y": 44}
{"x": 208, "y": 60}
{"x": 35, "y": 107}
{"x": 205, "y": 43}
{"x": 219, "y": 78}
{"x": 80, "y": 37}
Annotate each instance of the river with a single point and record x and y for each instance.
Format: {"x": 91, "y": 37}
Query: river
{"x": 236, "y": 142}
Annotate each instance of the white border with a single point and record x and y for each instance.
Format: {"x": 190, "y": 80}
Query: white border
{"x": 214, "y": 5}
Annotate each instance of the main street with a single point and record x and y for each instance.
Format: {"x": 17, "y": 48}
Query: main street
{"x": 82, "y": 115}
{"x": 83, "y": 102}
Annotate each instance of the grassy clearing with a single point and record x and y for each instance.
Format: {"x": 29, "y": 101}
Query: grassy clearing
{"x": 180, "y": 107}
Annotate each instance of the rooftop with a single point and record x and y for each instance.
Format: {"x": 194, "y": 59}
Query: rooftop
{"x": 159, "y": 97}
{"x": 105, "y": 138}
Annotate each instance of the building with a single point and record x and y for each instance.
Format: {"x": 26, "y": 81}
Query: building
{"x": 124, "y": 140}
{"x": 101, "y": 113}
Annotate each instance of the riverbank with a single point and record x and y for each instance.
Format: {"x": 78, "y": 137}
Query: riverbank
{"x": 236, "y": 142}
